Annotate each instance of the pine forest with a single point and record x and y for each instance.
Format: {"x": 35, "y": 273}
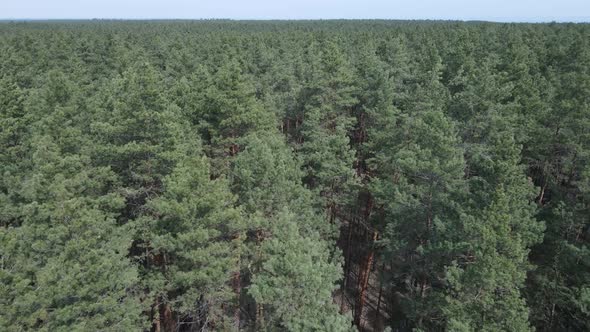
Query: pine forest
{"x": 336, "y": 175}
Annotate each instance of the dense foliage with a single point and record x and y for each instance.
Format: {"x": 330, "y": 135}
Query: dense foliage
{"x": 301, "y": 176}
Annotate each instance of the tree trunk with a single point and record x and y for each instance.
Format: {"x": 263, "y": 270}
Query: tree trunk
{"x": 259, "y": 316}
{"x": 237, "y": 287}
{"x": 380, "y": 292}
{"x": 346, "y": 265}
{"x": 542, "y": 193}
{"x": 157, "y": 327}
{"x": 364, "y": 274}
{"x": 168, "y": 321}
{"x": 237, "y": 284}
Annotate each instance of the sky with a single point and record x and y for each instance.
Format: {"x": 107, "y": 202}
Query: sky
{"x": 491, "y": 10}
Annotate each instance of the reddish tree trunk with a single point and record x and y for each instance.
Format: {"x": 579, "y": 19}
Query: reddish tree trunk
{"x": 542, "y": 194}
{"x": 346, "y": 265}
{"x": 168, "y": 321}
{"x": 380, "y": 293}
{"x": 237, "y": 287}
{"x": 364, "y": 274}
{"x": 156, "y": 317}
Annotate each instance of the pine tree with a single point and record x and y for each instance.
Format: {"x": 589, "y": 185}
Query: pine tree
{"x": 558, "y": 159}
{"x": 158, "y": 161}
{"x": 293, "y": 269}
{"x": 189, "y": 229}
{"x": 327, "y": 155}
{"x": 296, "y": 280}
{"x": 64, "y": 256}
{"x": 228, "y": 110}
{"x": 500, "y": 226}
{"x": 417, "y": 197}
{"x": 486, "y": 279}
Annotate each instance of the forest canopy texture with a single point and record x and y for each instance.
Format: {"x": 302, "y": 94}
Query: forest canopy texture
{"x": 294, "y": 176}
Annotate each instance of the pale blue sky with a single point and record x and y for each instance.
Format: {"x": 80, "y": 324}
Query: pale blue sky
{"x": 499, "y": 10}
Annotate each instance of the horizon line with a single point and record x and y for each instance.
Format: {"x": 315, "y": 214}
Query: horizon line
{"x": 573, "y": 19}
